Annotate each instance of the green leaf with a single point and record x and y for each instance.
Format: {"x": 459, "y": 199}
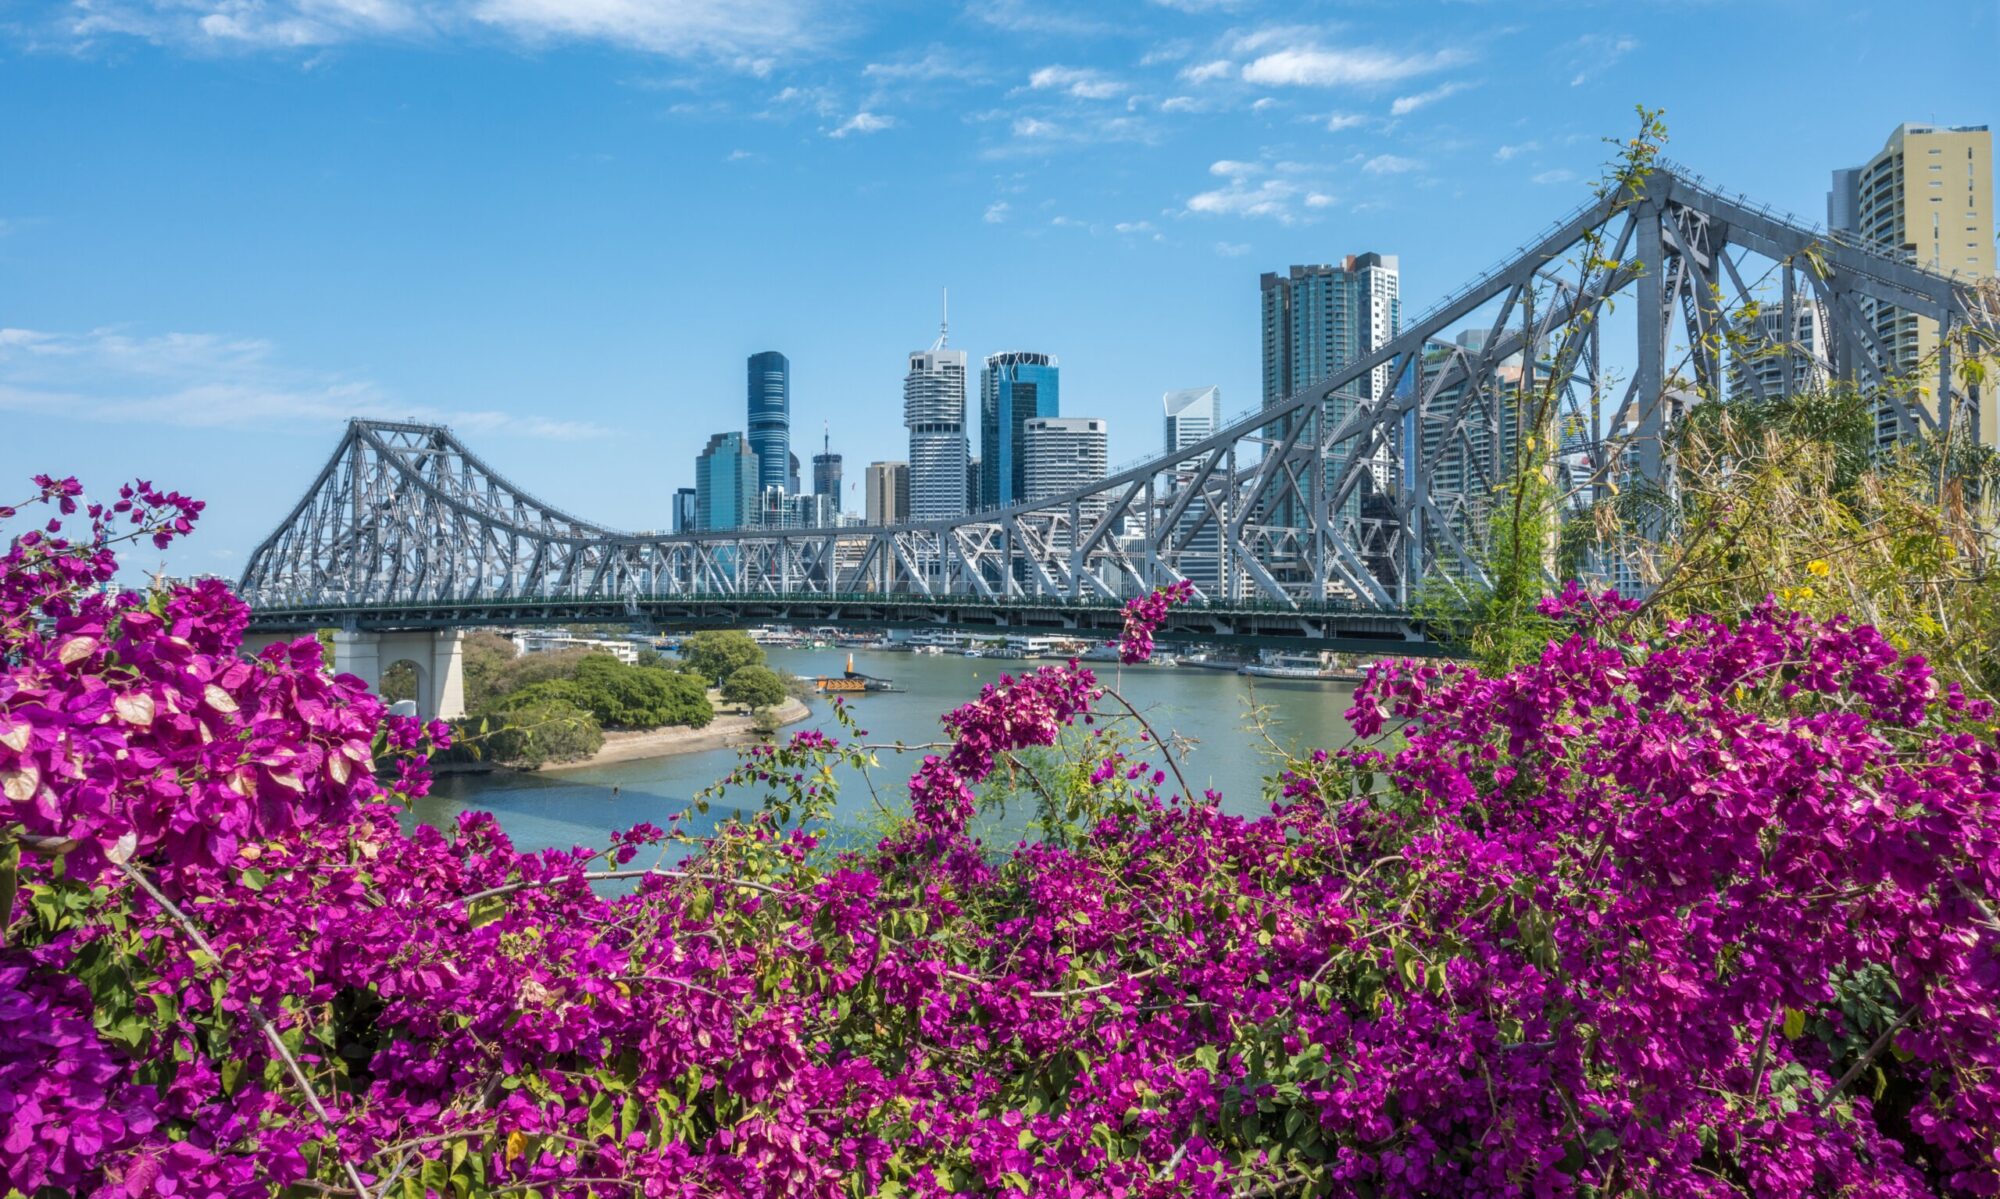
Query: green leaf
{"x": 485, "y": 912}
{"x": 1795, "y": 1024}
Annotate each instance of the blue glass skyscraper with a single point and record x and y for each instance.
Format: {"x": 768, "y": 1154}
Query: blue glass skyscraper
{"x": 725, "y": 484}
{"x": 1015, "y": 388}
{"x": 770, "y": 418}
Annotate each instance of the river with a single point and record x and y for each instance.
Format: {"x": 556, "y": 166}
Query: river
{"x": 1212, "y": 708}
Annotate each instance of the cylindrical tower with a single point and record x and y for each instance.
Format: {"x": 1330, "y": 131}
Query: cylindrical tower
{"x": 770, "y": 418}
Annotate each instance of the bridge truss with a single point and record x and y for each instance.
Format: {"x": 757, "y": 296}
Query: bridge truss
{"x": 1350, "y": 495}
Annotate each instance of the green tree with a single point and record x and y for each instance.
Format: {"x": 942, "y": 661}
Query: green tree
{"x": 536, "y": 734}
{"x": 399, "y": 681}
{"x": 620, "y": 696}
{"x": 486, "y": 656}
{"x": 715, "y": 654}
{"x": 754, "y": 687}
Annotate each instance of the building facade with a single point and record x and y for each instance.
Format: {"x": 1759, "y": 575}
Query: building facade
{"x": 1066, "y": 452}
{"x": 770, "y": 418}
{"x": 1760, "y": 368}
{"x": 934, "y": 413}
{"x": 826, "y": 477}
{"x": 725, "y": 483}
{"x": 887, "y": 499}
{"x": 684, "y": 511}
{"x": 1927, "y": 193}
{"x": 1193, "y": 415}
{"x": 1014, "y": 388}
{"x": 1319, "y": 319}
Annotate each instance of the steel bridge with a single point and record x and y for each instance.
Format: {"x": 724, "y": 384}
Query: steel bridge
{"x": 1316, "y": 520}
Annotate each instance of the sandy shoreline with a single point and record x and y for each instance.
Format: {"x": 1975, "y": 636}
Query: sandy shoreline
{"x": 723, "y": 731}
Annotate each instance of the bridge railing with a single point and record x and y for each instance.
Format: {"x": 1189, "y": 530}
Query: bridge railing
{"x": 868, "y": 598}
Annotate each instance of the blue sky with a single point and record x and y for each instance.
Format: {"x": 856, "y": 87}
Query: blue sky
{"x": 561, "y": 225}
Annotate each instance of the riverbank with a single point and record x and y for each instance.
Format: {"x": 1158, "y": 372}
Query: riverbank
{"x": 723, "y": 731}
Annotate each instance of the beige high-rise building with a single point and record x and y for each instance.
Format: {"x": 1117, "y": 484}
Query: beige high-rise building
{"x": 888, "y": 488}
{"x": 1929, "y": 193}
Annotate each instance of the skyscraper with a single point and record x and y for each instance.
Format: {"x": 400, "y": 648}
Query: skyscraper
{"x": 1928, "y": 193}
{"x": 1192, "y": 416}
{"x": 725, "y": 483}
{"x": 684, "y": 511}
{"x": 1015, "y": 388}
{"x": 1320, "y": 319}
{"x": 1066, "y": 452}
{"x": 826, "y": 468}
{"x": 934, "y": 412}
{"x": 888, "y": 493}
{"x": 770, "y": 418}
{"x": 1759, "y": 369}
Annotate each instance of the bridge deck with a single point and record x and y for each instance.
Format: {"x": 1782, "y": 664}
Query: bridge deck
{"x": 1333, "y": 626}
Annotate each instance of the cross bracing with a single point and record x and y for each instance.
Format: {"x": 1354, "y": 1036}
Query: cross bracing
{"x": 1620, "y": 314}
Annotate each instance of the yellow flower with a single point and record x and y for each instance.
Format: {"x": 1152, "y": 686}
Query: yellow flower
{"x": 1819, "y": 566}
{"x": 1805, "y": 593}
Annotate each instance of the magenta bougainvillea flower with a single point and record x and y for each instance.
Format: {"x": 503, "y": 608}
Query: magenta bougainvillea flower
{"x": 1709, "y": 914}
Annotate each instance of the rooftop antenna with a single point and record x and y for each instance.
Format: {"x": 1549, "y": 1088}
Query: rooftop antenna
{"x": 944, "y": 323}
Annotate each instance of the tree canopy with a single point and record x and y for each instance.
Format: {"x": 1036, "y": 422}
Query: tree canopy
{"x": 715, "y": 654}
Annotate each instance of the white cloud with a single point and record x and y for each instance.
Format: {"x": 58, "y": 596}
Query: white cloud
{"x": 1137, "y": 228}
{"x": 743, "y": 34}
{"x": 1081, "y": 82}
{"x": 1229, "y": 168}
{"x": 1200, "y": 6}
{"x": 1232, "y": 249}
{"x": 207, "y": 380}
{"x": 1344, "y": 120}
{"x": 936, "y": 64}
{"x": 1405, "y": 105}
{"x": 1263, "y": 103}
{"x": 739, "y": 156}
{"x": 997, "y": 212}
{"x": 1389, "y": 164}
{"x": 1595, "y": 53}
{"x": 1180, "y": 104}
{"x": 1509, "y": 153}
{"x": 1318, "y": 200}
{"x": 1360, "y": 66}
{"x": 1035, "y": 127}
{"x": 1220, "y": 68}
{"x": 1271, "y": 199}
{"x": 1020, "y": 16}
{"x": 863, "y": 122}
{"x": 1558, "y": 175}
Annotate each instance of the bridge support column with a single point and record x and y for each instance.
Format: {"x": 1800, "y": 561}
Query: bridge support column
{"x": 438, "y": 657}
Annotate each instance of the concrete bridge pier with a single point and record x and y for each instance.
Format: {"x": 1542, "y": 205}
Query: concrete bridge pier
{"x": 438, "y": 655}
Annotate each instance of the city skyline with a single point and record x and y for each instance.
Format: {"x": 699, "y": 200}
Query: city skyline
{"x": 564, "y": 239}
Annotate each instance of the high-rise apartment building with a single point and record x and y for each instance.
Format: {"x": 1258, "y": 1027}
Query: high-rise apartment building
{"x": 1773, "y": 354}
{"x": 975, "y": 492}
{"x": 684, "y": 511}
{"x": 1927, "y": 193}
{"x": 1320, "y": 319}
{"x": 725, "y": 483}
{"x": 770, "y": 419}
{"x": 1066, "y": 452}
{"x": 1015, "y": 388}
{"x": 1193, "y": 415}
{"x": 887, "y": 485}
{"x": 934, "y": 413}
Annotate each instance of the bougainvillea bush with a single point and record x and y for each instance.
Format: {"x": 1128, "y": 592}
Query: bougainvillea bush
{"x": 1706, "y": 914}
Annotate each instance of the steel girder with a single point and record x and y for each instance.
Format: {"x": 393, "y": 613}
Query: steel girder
{"x": 1390, "y": 498}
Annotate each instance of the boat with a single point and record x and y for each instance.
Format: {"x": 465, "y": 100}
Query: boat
{"x": 1102, "y": 652}
{"x": 851, "y": 681}
{"x": 975, "y": 651}
{"x": 1297, "y": 666}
